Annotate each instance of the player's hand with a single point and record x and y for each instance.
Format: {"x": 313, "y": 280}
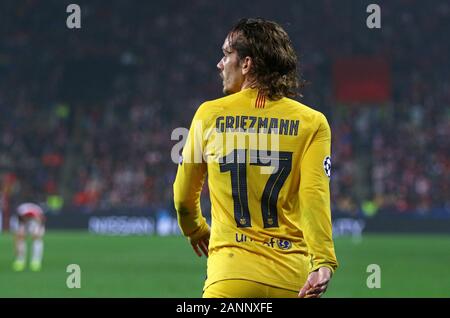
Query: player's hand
{"x": 201, "y": 244}
{"x": 316, "y": 284}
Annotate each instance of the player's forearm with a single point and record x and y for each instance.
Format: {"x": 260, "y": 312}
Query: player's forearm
{"x": 189, "y": 216}
{"x": 327, "y": 259}
{"x": 187, "y": 190}
{"x": 317, "y": 229}
{"x": 321, "y": 249}
{"x": 191, "y": 222}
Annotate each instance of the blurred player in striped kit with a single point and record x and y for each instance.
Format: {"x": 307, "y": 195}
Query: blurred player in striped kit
{"x": 31, "y": 222}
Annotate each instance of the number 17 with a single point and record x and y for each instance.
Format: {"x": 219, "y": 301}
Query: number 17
{"x": 236, "y": 163}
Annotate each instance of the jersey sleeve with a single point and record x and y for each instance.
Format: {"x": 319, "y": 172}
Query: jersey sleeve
{"x": 189, "y": 180}
{"x": 315, "y": 198}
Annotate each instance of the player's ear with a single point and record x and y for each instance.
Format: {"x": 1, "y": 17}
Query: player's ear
{"x": 246, "y": 65}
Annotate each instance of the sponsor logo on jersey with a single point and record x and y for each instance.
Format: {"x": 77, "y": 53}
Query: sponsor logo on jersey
{"x": 284, "y": 244}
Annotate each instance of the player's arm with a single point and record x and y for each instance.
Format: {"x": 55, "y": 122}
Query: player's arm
{"x": 188, "y": 186}
{"x": 316, "y": 211}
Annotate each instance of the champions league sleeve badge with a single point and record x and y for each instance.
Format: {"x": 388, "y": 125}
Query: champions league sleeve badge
{"x": 327, "y": 166}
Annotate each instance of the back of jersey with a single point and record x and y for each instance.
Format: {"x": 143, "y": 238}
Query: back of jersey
{"x": 260, "y": 168}
{"x": 268, "y": 175}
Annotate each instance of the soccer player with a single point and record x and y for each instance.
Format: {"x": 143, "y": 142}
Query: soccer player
{"x": 270, "y": 232}
{"x": 31, "y": 221}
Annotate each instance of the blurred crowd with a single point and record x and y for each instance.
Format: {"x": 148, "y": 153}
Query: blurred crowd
{"x": 87, "y": 115}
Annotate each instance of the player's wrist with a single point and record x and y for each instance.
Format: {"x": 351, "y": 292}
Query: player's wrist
{"x": 318, "y": 267}
{"x": 202, "y": 231}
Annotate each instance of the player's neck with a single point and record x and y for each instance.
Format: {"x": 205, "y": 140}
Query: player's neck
{"x": 248, "y": 83}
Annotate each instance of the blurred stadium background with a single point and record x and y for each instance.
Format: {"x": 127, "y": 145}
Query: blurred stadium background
{"x": 87, "y": 115}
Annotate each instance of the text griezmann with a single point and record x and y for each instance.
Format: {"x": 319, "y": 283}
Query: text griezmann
{"x": 256, "y": 124}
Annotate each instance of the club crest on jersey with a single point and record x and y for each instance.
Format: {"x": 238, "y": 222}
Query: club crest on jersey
{"x": 327, "y": 166}
{"x": 284, "y": 244}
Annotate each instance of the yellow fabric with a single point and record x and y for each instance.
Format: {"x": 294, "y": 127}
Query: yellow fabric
{"x": 240, "y": 288}
{"x": 270, "y": 225}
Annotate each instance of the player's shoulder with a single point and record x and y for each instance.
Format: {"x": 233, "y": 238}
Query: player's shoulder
{"x": 26, "y": 205}
{"x": 305, "y": 112}
{"x": 220, "y": 103}
{"x": 29, "y": 206}
{"x": 214, "y": 107}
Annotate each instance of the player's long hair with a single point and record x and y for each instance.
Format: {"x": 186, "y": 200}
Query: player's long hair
{"x": 275, "y": 64}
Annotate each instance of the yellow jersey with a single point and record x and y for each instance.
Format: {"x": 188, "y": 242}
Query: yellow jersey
{"x": 268, "y": 165}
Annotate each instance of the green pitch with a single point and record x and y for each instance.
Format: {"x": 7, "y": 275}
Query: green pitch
{"x": 411, "y": 266}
